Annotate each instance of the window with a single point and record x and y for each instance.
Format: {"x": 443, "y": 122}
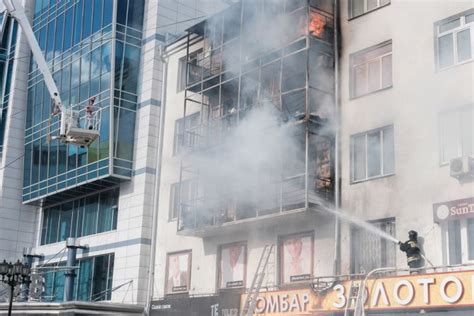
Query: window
{"x": 456, "y": 133}
{"x": 82, "y": 217}
{"x": 454, "y": 43}
{"x": 359, "y": 7}
{"x": 370, "y": 251}
{"x": 184, "y": 132}
{"x": 371, "y": 69}
{"x": 93, "y": 281}
{"x": 181, "y": 74}
{"x": 460, "y": 240}
{"x": 182, "y": 195}
{"x": 296, "y": 258}
{"x": 372, "y": 154}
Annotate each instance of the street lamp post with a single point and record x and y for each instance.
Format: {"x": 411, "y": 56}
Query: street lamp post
{"x": 14, "y": 274}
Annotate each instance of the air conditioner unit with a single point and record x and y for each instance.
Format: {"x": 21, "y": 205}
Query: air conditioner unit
{"x": 462, "y": 167}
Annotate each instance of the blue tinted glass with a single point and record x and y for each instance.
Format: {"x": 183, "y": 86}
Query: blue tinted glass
{"x": 44, "y": 158}
{"x": 124, "y": 141}
{"x": 50, "y": 41}
{"x": 107, "y": 208}
{"x": 86, "y": 24}
{"x": 53, "y": 222}
{"x": 90, "y": 216}
{"x": 72, "y": 155}
{"x": 84, "y": 280}
{"x": 58, "y": 46}
{"x": 130, "y": 70}
{"x": 77, "y": 22}
{"x": 65, "y": 222}
{"x": 104, "y": 134}
{"x": 27, "y": 164}
{"x": 53, "y": 157}
{"x": 44, "y": 230}
{"x": 107, "y": 12}
{"x": 62, "y": 158}
{"x": 105, "y": 66}
{"x": 59, "y": 278}
{"x": 36, "y": 160}
{"x": 68, "y": 28}
{"x": 135, "y": 14}
{"x": 97, "y": 17}
{"x": 122, "y": 11}
{"x": 99, "y": 282}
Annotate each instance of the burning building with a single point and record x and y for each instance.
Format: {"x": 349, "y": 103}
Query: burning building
{"x": 278, "y": 112}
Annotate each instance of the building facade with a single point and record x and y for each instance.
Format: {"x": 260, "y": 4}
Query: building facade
{"x": 102, "y": 194}
{"x": 395, "y": 105}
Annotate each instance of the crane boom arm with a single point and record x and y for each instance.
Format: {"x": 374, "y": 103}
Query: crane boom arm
{"x": 16, "y": 10}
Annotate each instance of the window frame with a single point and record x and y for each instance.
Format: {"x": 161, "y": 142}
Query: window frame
{"x": 379, "y": 130}
{"x": 350, "y": 8}
{"x": 353, "y": 65}
{"x": 462, "y": 27}
{"x": 384, "y": 243}
{"x": 177, "y": 146}
{"x": 464, "y": 238}
{"x": 442, "y": 116}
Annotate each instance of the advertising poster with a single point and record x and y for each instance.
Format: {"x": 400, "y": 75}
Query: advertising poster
{"x": 296, "y": 258}
{"x": 232, "y": 265}
{"x": 178, "y": 272}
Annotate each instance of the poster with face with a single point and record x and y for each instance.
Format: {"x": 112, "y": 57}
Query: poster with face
{"x": 178, "y": 274}
{"x": 296, "y": 258}
{"x": 232, "y": 266}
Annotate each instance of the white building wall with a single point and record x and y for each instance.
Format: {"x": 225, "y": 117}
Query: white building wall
{"x": 412, "y": 105}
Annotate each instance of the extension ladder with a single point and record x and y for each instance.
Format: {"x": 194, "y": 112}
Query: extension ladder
{"x": 251, "y": 299}
{"x": 356, "y": 295}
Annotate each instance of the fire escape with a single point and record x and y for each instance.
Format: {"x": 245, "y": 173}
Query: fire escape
{"x": 255, "y": 54}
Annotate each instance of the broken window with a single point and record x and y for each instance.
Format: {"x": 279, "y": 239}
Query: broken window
{"x": 323, "y": 183}
{"x": 294, "y": 72}
{"x": 270, "y": 83}
{"x": 321, "y": 25}
{"x": 370, "y": 251}
{"x": 231, "y": 24}
{"x": 296, "y": 25}
{"x": 194, "y": 67}
{"x": 248, "y": 91}
{"x": 371, "y": 69}
{"x": 185, "y": 132}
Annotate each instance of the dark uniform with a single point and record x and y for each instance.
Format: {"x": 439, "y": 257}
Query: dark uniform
{"x": 412, "y": 250}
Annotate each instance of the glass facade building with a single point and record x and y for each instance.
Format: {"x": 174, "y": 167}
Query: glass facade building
{"x": 8, "y": 32}
{"x": 93, "y": 48}
{"x": 81, "y": 217}
{"x": 94, "y": 281}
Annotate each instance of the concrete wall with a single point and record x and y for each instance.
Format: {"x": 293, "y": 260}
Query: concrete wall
{"x": 412, "y": 105}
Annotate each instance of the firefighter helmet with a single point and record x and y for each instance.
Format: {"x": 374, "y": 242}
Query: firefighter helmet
{"x": 412, "y": 234}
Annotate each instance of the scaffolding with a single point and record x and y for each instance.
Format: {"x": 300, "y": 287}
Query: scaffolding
{"x": 277, "y": 54}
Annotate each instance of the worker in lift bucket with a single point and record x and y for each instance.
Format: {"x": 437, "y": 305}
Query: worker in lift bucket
{"x": 89, "y": 113}
{"x": 412, "y": 250}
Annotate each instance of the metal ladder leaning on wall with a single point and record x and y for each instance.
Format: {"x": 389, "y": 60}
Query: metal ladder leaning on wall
{"x": 356, "y": 295}
{"x": 251, "y": 299}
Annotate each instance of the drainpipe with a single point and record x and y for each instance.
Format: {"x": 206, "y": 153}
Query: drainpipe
{"x": 337, "y": 193}
{"x": 72, "y": 244}
{"x": 156, "y": 193}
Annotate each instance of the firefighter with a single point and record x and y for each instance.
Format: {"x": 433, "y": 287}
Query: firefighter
{"x": 412, "y": 250}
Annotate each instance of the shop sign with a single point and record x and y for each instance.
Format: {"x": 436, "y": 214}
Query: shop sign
{"x": 423, "y": 291}
{"x": 224, "y": 304}
{"x": 453, "y": 210}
